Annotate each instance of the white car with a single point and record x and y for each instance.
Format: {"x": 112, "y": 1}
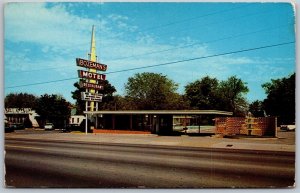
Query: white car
{"x": 49, "y": 126}
{"x": 288, "y": 127}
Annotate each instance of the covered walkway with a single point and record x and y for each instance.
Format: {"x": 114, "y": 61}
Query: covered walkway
{"x": 155, "y": 121}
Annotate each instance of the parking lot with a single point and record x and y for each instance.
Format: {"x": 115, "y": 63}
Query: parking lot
{"x": 285, "y": 140}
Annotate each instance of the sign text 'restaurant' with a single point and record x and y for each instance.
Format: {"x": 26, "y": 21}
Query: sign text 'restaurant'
{"x": 90, "y": 85}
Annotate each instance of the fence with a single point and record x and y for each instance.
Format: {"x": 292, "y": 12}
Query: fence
{"x": 258, "y": 126}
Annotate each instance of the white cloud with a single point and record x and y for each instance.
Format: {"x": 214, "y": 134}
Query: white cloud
{"x": 121, "y": 23}
{"x": 16, "y": 61}
{"x": 145, "y": 39}
{"x": 116, "y": 17}
{"x": 54, "y": 27}
{"x": 67, "y": 36}
{"x": 45, "y": 49}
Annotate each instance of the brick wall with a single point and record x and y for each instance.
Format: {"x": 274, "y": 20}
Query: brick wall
{"x": 260, "y": 126}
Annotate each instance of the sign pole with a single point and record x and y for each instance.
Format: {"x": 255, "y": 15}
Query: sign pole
{"x": 86, "y": 125}
{"x": 91, "y": 80}
{"x": 96, "y": 125}
{"x": 86, "y": 117}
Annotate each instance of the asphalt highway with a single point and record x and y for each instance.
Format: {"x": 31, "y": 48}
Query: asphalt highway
{"x": 67, "y": 164}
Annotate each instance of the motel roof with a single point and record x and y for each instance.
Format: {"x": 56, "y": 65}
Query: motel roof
{"x": 161, "y": 112}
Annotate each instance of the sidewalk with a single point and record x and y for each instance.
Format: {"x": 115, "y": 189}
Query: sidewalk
{"x": 267, "y": 144}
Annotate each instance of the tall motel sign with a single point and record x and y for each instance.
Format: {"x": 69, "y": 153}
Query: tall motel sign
{"x": 91, "y": 80}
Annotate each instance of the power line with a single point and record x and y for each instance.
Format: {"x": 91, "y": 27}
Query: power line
{"x": 203, "y": 57}
{"x": 192, "y": 18}
{"x": 170, "y": 49}
{"x": 198, "y": 43}
{"x": 184, "y": 20}
{"x": 220, "y": 22}
{"x": 163, "y": 64}
{"x": 184, "y": 46}
{"x": 38, "y": 83}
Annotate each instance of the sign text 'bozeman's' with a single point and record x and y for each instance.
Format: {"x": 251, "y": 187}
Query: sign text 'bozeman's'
{"x": 83, "y": 84}
{"x": 90, "y": 64}
{"x": 91, "y": 75}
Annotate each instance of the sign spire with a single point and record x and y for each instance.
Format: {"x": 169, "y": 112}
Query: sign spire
{"x": 91, "y": 80}
{"x": 93, "y": 56}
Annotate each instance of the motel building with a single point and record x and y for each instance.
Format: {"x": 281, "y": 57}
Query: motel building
{"x": 154, "y": 121}
{"x": 165, "y": 122}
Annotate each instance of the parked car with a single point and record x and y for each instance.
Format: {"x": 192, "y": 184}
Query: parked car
{"x": 9, "y": 127}
{"x": 66, "y": 129}
{"x": 49, "y": 126}
{"x": 288, "y": 127}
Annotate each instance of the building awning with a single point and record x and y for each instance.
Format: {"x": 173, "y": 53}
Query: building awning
{"x": 161, "y": 112}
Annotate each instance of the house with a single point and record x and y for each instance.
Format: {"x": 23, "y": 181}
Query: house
{"x": 76, "y": 120}
{"x": 21, "y": 116}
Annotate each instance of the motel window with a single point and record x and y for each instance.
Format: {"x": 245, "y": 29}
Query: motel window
{"x": 72, "y": 120}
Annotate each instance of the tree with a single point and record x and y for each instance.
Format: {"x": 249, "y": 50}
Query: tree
{"x": 280, "y": 99}
{"x": 257, "y": 109}
{"x": 203, "y": 94}
{"x": 53, "y": 108}
{"x": 76, "y": 95}
{"x": 152, "y": 91}
{"x": 108, "y": 97}
{"x": 208, "y": 93}
{"x": 124, "y": 103}
{"x": 232, "y": 93}
{"x": 20, "y": 100}
{"x": 107, "y": 100}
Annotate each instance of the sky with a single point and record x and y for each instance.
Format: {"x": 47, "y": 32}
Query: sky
{"x": 253, "y": 41}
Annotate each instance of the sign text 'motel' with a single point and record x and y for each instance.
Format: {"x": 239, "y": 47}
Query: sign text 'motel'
{"x": 90, "y": 64}
{"x": 91, "y": 75}
{"x": 83, "y": 84}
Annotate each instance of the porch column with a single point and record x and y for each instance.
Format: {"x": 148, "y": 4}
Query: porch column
{"x": 113, "y": 122}
{"x": 130, "y": 126}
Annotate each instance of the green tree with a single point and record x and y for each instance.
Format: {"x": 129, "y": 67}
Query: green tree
{"x": 232, "y": 94}
{"x": 280, "y": 99}
{"x": 124, "y": 103}
{"x": 20, "y": 100}
{"x": 203, "y": 94}
{"x": 53, "y": 108}
{"x": 76, "y": 95}
{"x": 208, "y": 93}
{"x": 107, "y": 100}
{"x": 152, "y": 91}
{"x": 257, "y": 109}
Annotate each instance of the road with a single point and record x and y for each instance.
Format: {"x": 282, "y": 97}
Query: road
{"x": 49, "y": 163}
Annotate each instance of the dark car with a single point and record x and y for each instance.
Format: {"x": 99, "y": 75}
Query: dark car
{"x": 10, "y": 127}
